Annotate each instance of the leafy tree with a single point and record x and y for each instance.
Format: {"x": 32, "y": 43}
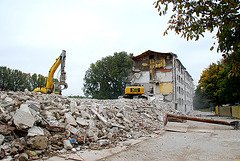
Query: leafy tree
{"x": 27, "y": 81}
{"x": 216, "y": 84}
{"x": 5, "y": 78}
{"x": 91, "y": 85}
{"x": 230, "y": 85}
{"x": 17, "y": 80}
{"x": 209, "y": 83}
{"x": 107, "y": 77}
{"x": 4, "y": 75}
{"x": 41, "y": 81}
{"x": 192, "y": 19}
{"x": 34, "y": 79}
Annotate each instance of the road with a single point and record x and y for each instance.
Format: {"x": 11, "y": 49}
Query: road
{"x": 193, "y": 141}
{"x": 180, "y": 142}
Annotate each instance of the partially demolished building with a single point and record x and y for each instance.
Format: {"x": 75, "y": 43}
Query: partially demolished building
{"x": 164, "y": 77}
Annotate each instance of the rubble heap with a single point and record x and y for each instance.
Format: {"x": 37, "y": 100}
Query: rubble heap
{"x": 34, "y": 125}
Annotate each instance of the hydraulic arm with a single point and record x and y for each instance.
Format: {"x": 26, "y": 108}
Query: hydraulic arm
{"x": 50, "y": 86}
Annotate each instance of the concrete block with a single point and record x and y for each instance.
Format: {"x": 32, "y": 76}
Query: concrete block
{"x": 70, "y": 119}
{"x": 39, "y": 142}
{"x": 9, "y": 100}
{"x": 23, "y": 157}
{"x": 1, "y": 139}
{"x": 35, "y": 130}
{"x": 72, "y": 129}
{"x": 67, "y": 144}
{"x": 82, "y": 121}
{"x": 23, "y": 119}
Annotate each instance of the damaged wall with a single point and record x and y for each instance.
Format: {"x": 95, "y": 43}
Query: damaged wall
{"x": 165, "y": 76}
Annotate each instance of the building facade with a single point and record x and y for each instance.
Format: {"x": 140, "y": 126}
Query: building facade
{"x": 164, "y": 77}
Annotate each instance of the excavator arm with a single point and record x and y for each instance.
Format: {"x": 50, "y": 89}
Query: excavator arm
{"x": 63, "y": 73}
{"x": 50, "y": 86}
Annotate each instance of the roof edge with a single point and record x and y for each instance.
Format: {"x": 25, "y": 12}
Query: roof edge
{"x": 148, "y": 52}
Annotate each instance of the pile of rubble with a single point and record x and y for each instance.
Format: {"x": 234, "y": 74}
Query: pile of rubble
{"x": 35, "y": 125}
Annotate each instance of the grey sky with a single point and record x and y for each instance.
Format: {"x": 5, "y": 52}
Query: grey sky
{"x": 33, "y": 34}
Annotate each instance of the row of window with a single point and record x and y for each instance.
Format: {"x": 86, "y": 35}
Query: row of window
{"x": 180, "y": 68}
{"x": 181, "y": 102}
{"x": 180, "y": 80}
{"x": 183, "y": 92}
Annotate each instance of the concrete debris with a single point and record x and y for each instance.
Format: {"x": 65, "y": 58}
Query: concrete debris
{"x": 38, "y": 142}
{"x": 67, "y": 144}
{"x": 33, "y": 125}
{"x": 23, "y": 118}
{"x": 1, "y": 139}
{"x": 70, "y": 119}
{"x": 35, "y": 130}
{"x": 23, "y": 157}
{"x": 82, "y": 122}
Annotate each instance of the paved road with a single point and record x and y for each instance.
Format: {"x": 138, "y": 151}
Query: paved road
{"x": 199, "y": 141}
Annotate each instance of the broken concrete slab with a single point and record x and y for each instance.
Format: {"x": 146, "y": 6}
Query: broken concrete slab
{"x": 72, "y": 129}
{"x": 82, "y": 121}
{"x": 70, "y": 119}
{"x": 8, "y": 99}
{"x": 39, "y": 142}
{"x": 177, "y": 127}
{"x": 67, "y": 144}
{"x": 1, "y": 139}
{"x": 23, "y": 119}
{"x": 23, "y": 157}
{"x": 35, "y": 130}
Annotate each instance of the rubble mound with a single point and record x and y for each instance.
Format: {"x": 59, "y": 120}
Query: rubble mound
{"x": 35, "y": 125}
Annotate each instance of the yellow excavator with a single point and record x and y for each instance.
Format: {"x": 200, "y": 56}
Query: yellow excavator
{"x": 134, "y": 91}
{"x": 61, "y": 85}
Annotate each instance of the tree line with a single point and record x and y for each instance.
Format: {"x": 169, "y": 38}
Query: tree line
{"x": 16, "y": 80}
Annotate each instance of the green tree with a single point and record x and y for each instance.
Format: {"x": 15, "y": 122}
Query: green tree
{"x": 216, "y": 84}
{"x": 34, "y": 79}
{"x": 209, "y": 83}
{"x": 3, "y": 76}
{"x": 191, "y": 19}
{"x": 16, "y": 80}
{"x": 27, "y": 84}
{"x": 41, "y": 80}
{"x": 107, "y": 77}
{"x": 7, "y": 79}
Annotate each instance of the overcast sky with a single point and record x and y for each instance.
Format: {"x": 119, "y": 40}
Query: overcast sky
{"x": 34, "y": 33}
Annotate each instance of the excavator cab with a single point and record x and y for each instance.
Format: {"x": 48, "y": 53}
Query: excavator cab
{"x": 56, "y": 89}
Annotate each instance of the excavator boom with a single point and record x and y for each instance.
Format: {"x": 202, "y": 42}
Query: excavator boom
{"x": 50, "y": 86}
{"x": 63, "y": 73}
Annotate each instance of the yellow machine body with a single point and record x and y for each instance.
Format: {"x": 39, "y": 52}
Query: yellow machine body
{"x": 134, "y": 90}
